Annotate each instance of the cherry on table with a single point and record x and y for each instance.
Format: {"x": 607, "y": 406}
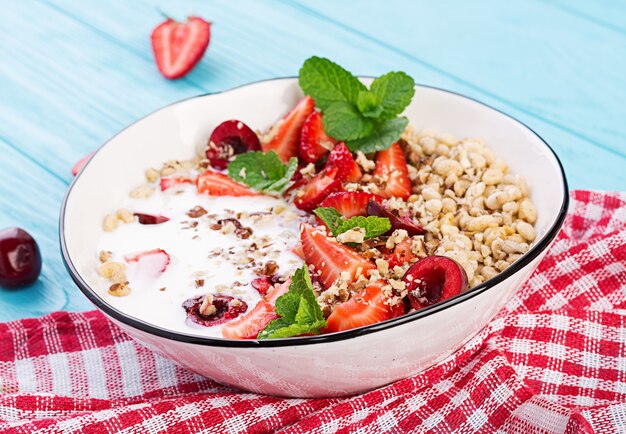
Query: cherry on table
{"x": 20, "y": 259}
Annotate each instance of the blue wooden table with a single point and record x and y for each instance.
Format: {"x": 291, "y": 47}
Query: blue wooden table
{"x": 73, "y": 73}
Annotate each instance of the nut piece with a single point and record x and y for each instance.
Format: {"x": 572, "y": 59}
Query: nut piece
{"x": 125, "y": 216}
{"x": 110, "y": 222}
{"x": 119, "y": 289}
{"x": 355, "y": 235}
{"x": 114, "y": 271}
{"x": 207, "y": 308}
{"x": 104, "y": 255}
{"x": 196, "y": 212}
{"x": 152, "y": 175}
{"x": 142, "y": 192}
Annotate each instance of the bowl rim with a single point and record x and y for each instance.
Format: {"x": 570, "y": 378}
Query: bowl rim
{"x": 144, "y": 326}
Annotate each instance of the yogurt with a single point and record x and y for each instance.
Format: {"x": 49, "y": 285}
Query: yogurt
{"x": 205, "y": 256}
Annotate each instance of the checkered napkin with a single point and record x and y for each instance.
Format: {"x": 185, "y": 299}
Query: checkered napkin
{"x": 554, "y": 360}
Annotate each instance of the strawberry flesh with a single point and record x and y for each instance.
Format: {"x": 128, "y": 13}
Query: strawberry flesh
{"x": 178, "y": 47}
{"x": 226, "y": 308}
{"x": 370, "y": 306}
{"x": 81, "y": 163}
{"x": 350, "y": 203}
{"x": 392, "y": 168}
{"x": 347, "y": 169}
{"x": 408, "y": 224}
{"x": 229, "y": 139}
{"x": 218, "y": 184}
{"x": 287, "y": 133}
{"x": 152, "y": 262}
{"x": 402, "y": 254}
{"x": 434, "y": 279}
{"x": 175, "y": 181}
{"x": 250, "y": 324}
{"x": 314, "y": 142}
{"x": 149, "y": 219}
{"x": 331, "y": 258}
{"x": 316, "y": 190}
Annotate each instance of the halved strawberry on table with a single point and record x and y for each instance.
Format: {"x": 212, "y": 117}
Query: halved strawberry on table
{"x": 314, "y": 142}
{"x": 370, "y": 306}
{"x": 178, "y": 47}
{"x": 248, "y": 325}
{"x": 316, "y": 189}
{"x": 286, "y": 134}
{"x": 331, "y": 258}
{"x": 347, "y": 169}
{"x": 392, "y": 168}
{"x": 218, "y": 184}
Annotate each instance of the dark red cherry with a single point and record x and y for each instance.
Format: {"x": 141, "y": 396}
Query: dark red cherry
{"x": 229, "y": 139}
{"x": 20, "y": 259}
{"x": 434, "y": 279}
{"x": 226, "y": 308}
{"x": 408, "y": 224}
{"x": 149, "y": 219}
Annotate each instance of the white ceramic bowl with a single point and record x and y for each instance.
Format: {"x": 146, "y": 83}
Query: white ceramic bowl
{"x": 327, "y": 365}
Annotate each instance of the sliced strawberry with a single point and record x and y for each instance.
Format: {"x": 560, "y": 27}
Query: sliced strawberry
{"x": 174, "y": 181}
{"x": 229, "y": 139}
{"x": 81, "y": 163}
{"x": 248, "y": 325}
{"x": 347, "y": 169}
{"x": 149, "y": 219}
{"x": 151, "y": 262}
{"x": 367, "y": 307}
{"x": 434, "y": 279}
{"x": 286, "y": 133}
{"x": 402, "y": 254}
{"x": 178, "y": 46}
{"x": 350, "y": 203}
{"x": 218, "y": 184}
{"x": 298, "y": 252}
{"x": 316, "y": 189}
{"x": 314, "y": 143}
{"x": 330, "y": 258}
{"x": 391, "y": 166}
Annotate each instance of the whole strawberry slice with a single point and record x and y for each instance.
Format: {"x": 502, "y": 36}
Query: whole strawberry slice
{"x": 347, "y": 169}
{"x": 316, "y": 189}
{"x": 218, "y": 184}
{"x": 330, "y": 258}
{"x": 350, "y": 203}
{"x": 314, "y": 142}
{"x": 391, "y": 166}
{"x": 179, "y": 46}
{"x": 370, "y": 306}
{"x": 152, "y": 262}
{"x": 286, "y": 134}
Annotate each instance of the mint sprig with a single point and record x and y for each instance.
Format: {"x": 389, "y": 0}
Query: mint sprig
{"x": 367, "y": 120}
{"x": 264, "y": 172}
{"x": 373, "y": 226}
{"x": 298, "y": 309}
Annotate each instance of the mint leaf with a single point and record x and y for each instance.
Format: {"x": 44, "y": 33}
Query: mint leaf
{"x": 368, "y": 104}
{"x": 374, "y": 226}
{"x": 393, "y": 91}
{"x": 300, "y": 313}
{"x": 328, "y": 83}
{"x": 343, "y": 121}
{"x": 383, "y": 135}
{"x": 264, "y": 172}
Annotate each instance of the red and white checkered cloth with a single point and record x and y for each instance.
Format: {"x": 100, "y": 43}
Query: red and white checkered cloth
{"x": 554, "y": 360}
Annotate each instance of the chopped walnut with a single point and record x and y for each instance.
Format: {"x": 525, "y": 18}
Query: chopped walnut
{"x": 196, "y": 212}
{"x": 119, "y": 289}
{"x": 104, "y": 255}
{"x": 114, "y": 271}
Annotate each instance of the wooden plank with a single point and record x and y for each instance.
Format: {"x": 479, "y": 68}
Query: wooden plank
{"x": 283, "y": 50}
{"x": 562, "y": 74}
{"x": 30, "y": 198}
{"x": 610, "y": 14}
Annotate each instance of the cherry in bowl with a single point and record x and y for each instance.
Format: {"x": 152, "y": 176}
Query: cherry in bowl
{"x": 20, "y": 259}
{"x": 434, "y": 279}
{"x": 228, "y": 139}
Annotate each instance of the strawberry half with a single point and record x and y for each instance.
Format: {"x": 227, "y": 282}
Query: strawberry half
{"x": 314, "y": 142}
{"x": 287, "y": 132}
{"x": 179, "y": 46}
{"x": 248, "y": 325}
{"x": 153, "y": 262}
{"x": 402, "y": 254}
{"x": 218, "y": 184}
{"x": 347, "y": 169}
{"x": 318, "y": 187}
{"x": 330, "y": 258}
{"x": 175, "y": 181}
{"x": 391, "y": 166}
{"x": 350, "y": 203}
{"x": 367, "y": 307}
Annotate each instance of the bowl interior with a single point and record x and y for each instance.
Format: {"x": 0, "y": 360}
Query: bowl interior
{"x": 177, "y": 131}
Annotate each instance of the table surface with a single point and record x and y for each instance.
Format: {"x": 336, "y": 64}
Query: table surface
{"x": 73, "y": 73}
